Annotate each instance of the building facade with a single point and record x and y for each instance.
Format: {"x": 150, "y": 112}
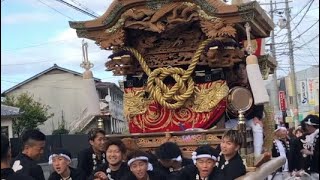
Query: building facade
{"x": 8, "y": 113}
{"x": 307, "y": 85}
{"x": 62, "y": 89}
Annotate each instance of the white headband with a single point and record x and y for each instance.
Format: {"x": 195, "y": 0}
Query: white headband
{"x": 179, "y": 159}
{"x": 195, "y": 157}
{"x": 279, "y": 128}
{"x": 311, "y": 123}
{"x": 142, "y": 158}
{"x": 55, "y": 155}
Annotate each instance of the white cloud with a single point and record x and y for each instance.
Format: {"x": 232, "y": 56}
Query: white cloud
{"x": 67, "y": 53}
{"x": 25, "y": 17}
{"x": 65, "y": 35}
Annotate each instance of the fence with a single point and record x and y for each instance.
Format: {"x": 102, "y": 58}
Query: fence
{"x": 73, "y": 143}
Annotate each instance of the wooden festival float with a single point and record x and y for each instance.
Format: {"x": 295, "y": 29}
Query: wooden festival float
{"x": 177, "y": 58}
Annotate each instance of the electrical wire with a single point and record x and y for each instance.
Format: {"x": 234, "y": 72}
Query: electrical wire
{"x": 303, "y": 16}
{"x": 26, "y": 63}
{"x": 55, "y": 10}
{"x": 77, "y": 8}
{"x": 36, "y": 45}
{"x": 312, "y": 39}
{"x": 40, "y": 85}
{"x": 305, "y": 31}
{"x": 299, "y": 34}
{"x": 85, "y": 8}
{"x": 293, "y": 18}
{"x": 302, "y": 33}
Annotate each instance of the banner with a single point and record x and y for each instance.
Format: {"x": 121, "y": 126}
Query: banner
{"x": 304, "y": 92}
{"x": 311, "y": 90}
{"x": 278, "y": 117}
{"x": 282, "y": 101}
{"x": 258, "y": 46}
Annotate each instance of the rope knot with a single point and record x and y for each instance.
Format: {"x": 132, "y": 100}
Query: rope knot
{"x": 175, "y": 96}
{"x": 171, "y": 97}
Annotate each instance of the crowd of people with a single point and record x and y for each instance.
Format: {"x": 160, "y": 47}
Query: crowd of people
{"x": 112, "y": 159}
{"x": 300, "y": 148}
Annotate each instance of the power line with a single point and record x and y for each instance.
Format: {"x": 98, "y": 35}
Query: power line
{"x": 55, "y": 10}
{"x": 40, "y": 85}
{"x": 26, "y": 63}
{"x": 36, "y": 45}
{"x": 312, "y": 39}
{"x": 289, "y": 21}
{"x": 303, "y": 16}
{"x": 301, "y": 33}
{"x": 85, "y": 8}
{"x": 300, "y": 22}
{"x": 306, "y": 30}
{"x": 78, "y": 9}
{"x": 71, "y": 55}
{"x": 306, "y": 43}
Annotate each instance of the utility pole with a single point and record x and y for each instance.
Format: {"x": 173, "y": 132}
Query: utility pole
{"x": 275, "y": 88}
{"x": 292, "y": 68}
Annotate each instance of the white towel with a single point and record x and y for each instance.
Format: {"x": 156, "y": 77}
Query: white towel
{"x": 259, "y": 91}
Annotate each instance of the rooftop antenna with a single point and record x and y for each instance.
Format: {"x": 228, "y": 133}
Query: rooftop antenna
{"x": 86, "y": 64}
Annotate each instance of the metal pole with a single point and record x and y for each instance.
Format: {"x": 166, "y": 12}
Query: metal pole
{"x": 292, "y": 68}
{"x": 275, "y": 88}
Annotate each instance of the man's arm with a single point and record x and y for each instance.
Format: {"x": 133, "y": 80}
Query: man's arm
{"x": 258, "y": 111}
{"x": 37, "y": 173}
{"x": 83, "y": 163}
{"x": 258, "y": 114}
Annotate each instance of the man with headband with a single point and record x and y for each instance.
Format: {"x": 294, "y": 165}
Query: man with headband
{"x": 305, "y": 149}
{"x": 281, "y": 148}
{"x": 204, "y": 168}
{"x": 141, "y": 168}
{"x": 60, "y": 160}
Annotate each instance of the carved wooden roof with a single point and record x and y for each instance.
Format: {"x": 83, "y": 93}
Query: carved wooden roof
{"x": 120, "y": 10}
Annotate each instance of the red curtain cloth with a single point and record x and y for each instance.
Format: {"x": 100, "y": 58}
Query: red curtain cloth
{"x": 160, "y": 119}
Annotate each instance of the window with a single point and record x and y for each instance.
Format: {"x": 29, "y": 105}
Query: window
{"x": 291, "y": 100}
{"x": 5, "y": 130}
{"x": 299, "y": 98}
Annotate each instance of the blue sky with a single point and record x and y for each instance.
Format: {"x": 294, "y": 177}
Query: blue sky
{"x": 34, "y": 37}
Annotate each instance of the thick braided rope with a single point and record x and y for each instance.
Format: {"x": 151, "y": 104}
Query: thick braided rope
{"x": 176, "y": 96}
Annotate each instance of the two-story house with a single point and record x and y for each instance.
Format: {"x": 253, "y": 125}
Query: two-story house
{"x": 63, "y": 90}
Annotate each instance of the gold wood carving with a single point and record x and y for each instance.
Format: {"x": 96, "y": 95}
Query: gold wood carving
{"x": 224, "y": 57}
{"x": 168, "y": 16}
{"x": 217, "y": 28}
{"x": 134, "y": 103}
{"x": 268, "y": 124}
{"x": 206, "y": 99}
{"x": 157, "y": 21}
{"x": 116, "y": 38}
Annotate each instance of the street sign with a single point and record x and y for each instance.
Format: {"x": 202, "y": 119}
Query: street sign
{"x": 304, "y": 92}
{"x": 282, "y": 100}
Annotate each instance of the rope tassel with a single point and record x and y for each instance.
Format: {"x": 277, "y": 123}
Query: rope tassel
{"x": 259, "y": 91}
{"x": 176, "y": 96}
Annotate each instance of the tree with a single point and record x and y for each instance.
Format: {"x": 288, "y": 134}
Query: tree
{"x": 33, "y": 113}
{"x": 61, "y": 127}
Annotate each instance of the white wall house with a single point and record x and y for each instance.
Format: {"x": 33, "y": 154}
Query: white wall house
{"x": 62, "y": 89}
{"x": 8, "y": 113}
